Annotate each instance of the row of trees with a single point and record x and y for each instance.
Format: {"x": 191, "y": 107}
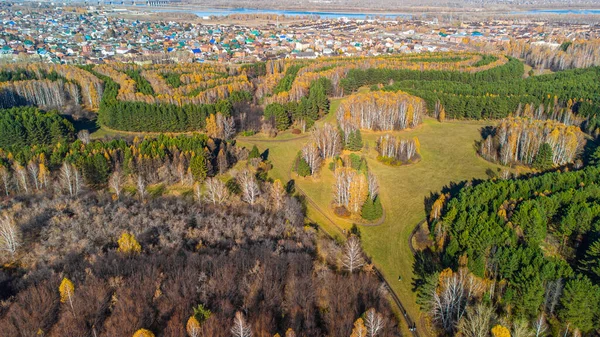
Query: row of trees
{"x": 141, "y": 116}
{"x": 496, "y": 230}
{"x": 520, "y": 140}
{"x": 49, "y": 85}
{"x": 182, "y": 159}
{"x": 381, "y": 111}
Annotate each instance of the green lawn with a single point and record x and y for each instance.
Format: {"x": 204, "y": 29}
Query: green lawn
{"x": 448, "y": 154}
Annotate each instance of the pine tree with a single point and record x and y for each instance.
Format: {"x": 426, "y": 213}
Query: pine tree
{"x": 198, "y": 167}
{"x": 591, "y": 262}
{"x": 303, "y": 169}
{"x": 254, "y": 153}
{"x": 543, "y": 159}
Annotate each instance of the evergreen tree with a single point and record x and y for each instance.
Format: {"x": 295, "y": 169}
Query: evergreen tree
{"x": 591, "y": 262}
{"x": 198, "y": 167}
{"x": 302, "y": 167}
{"x": 254, "y": 153}
{"x": 580, "y": 303}
{"x": 372, "y": 209}
{"x": 543, "y": 160}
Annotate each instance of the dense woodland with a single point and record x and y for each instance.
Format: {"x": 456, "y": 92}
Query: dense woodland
{"x": 524, "y": 252}
{"x": 93, "y": 266}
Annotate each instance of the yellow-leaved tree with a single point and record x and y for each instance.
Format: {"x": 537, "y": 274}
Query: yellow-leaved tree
{"x": 143, "y": 333}
{"x": 359, "y": 329}
{"x": 128, "y": 244}
{"x": 193, "y": 327}
{"x": 500, "y": 331}
{"x": 66, "y": 290}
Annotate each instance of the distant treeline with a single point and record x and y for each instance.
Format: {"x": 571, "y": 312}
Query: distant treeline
{"x": 493, "y": 93}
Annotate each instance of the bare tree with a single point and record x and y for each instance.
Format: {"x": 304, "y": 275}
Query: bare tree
{"x": 373, "y": 322}
{"x": 5, "y": 177}
{"x": 249, "y": 185}
{"x": 373, "y": 185}
{"x": 240, "y": 328}
{"x": 449, "y": 301}
{"x": 539, "y": 325}
{"x": 34, "y": 172}
{"x": 520, "y": 328}
{"x": 477, "y": 322}
{"x": 228, "y": 128}
{"x": 310, "y": 153}
{"x": 353, "y": 256}
{"x": 141, "y": 187}
{"x": 277, "y": 194}
{"x": 553, "y": 292}
{"x": 9, "y": 235}
{"x": 84, "y": 136}
{"x": 22, "y": 178}
{"x": 66, "y": 178}
{"x": 77, "y": 180}
{"x": 328, "y": 140}
{"x": 216, "y": 191}
{"x": 116, "y": 182}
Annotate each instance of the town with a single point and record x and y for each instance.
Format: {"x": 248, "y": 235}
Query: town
{"x": 95, "y": 35}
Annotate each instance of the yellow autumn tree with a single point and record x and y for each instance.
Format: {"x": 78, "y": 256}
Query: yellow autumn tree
{"x": 359, "y": 330}
{"x": 143, "y": 333}
{"x": 436, "y": 209}
{"x": 128, "y": 244}
{"x": 212, "y": 128}
{"x": 500, "y": 331}
{"x": 193, "y": 327}
{"x": 66, "y": 289}
{"x": 442, "y": 115}
{"x": 359, "y": 192}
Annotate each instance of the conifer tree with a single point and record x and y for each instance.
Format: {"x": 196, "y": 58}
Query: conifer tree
{"x": 543, "y": 159}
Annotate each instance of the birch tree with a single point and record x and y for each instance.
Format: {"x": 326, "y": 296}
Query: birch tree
{"x": 249, "y": 186}
{"x": 240, "y": 328}
{"x": 352, "y": 258}
{"x": 477, "y": 321}
{"x": 450, "y": 298}
{"x": 5, "y": 178}
{"x": 116, "y": 182}
{"x": 216, "y": 191}
{"x": 66, "y": 178}
{"x": 10, "y": 237}
{"x": 22, "y": 180}
{"x": 141, "y": 187}
{"x": 312, "y": 156}
{"x": 373, "y": 322}
{"x": 373, "y": 185}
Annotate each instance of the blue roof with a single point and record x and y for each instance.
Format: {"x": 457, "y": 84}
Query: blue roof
{"x": 196, "y": 51}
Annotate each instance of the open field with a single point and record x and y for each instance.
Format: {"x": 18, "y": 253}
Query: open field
{"x": 448, "y": 154}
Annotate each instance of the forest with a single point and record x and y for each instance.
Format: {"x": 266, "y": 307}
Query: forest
{"x": 523, "y": 252}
